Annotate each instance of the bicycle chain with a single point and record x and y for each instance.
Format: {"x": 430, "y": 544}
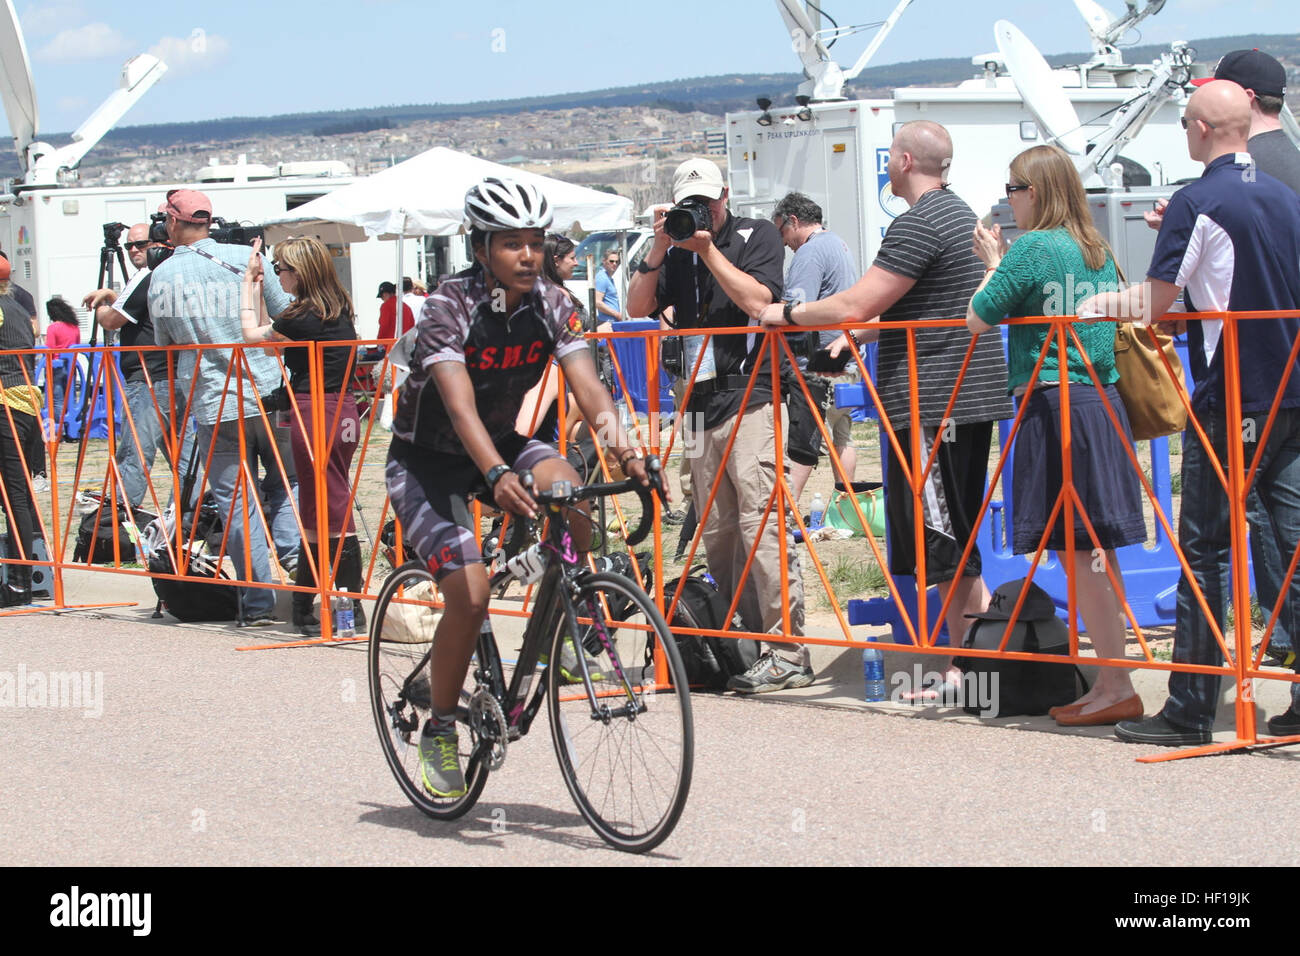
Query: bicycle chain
{"x": 482, "y": 707}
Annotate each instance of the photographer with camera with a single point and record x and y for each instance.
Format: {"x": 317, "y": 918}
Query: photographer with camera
{"x": 145, "y": 374}
{"x": 194, "y": 300}
{"x": 717, "y": 271}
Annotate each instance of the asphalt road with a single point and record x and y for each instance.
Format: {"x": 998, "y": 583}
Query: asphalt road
{"x": 205, "y": 755}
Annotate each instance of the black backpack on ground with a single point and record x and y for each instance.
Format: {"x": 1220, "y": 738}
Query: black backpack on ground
{"x": 102, "y": 517}
{"x": 1002, "y": 688}
{"x": 710, "y": 661}
{"x": 191, "y": 599}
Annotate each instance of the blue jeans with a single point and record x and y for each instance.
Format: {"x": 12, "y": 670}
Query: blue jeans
{"x": 134, "y": 462}
{"x": 223, "y": 479}
{"x": 1269, "y": 559}
{"x": 1203, "y": 534}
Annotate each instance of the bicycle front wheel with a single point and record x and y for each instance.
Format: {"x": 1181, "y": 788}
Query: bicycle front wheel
{"x": 401, "y": 637}
{"x": 626, "y": 747}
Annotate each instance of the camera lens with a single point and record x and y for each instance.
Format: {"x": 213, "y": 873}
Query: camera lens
{"x": 687, "y": 218}
{"x": 679, "y": 223}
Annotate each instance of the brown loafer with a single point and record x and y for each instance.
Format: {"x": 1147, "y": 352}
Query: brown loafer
{"x": 1064, "y": 709}
{"x": 1130, "y": 709}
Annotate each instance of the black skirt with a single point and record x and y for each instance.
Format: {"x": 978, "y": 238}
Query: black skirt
{"x": 1104, "y": 478}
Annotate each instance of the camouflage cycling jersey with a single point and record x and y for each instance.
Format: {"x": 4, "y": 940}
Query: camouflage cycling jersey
{"x": 505, "y": 355}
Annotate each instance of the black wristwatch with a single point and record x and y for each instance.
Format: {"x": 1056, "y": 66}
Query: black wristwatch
{"x": 788, "y": 311}
{"x": 642, "y": 268}
{"x": 495, "y": 474}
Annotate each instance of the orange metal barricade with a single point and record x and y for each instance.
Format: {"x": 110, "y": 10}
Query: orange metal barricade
{"x": 1240, "y": 663}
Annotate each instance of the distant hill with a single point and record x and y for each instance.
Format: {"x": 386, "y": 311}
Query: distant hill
{"x": 709, "y": 94}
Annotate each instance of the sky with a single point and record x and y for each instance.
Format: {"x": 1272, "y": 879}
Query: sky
{"x": 241, "y": 58}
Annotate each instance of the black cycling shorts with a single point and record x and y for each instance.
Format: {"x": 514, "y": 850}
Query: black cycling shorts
{"x": 429, "y": 491}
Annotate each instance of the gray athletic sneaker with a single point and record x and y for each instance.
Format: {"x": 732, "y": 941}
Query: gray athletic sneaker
{"x": 440, "y": 764}
{"x": 770, "y": 673}
{"x": 569, "y": 668}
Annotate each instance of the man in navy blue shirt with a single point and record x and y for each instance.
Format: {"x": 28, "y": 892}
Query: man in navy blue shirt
{"x": 1231, "y": 240}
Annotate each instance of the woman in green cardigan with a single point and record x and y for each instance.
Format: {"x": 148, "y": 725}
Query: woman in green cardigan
{"x": 1059, "y": 261}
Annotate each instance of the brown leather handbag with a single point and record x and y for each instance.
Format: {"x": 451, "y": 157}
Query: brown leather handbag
{"x": 1150, "y": 395}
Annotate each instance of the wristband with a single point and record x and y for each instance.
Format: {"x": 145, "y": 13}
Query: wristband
{"x": 494, "y": 475}
{"x": 788, "y": 312}
{"x": 628, "y": 455}
{"x": 642, "y": 268}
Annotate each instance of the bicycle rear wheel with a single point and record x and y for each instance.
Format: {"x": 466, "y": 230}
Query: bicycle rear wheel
{"x": 626, "y": 757}
{"x": 401, "y": 637}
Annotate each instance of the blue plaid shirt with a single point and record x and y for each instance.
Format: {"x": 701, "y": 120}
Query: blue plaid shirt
{"x": 195, "y": 301}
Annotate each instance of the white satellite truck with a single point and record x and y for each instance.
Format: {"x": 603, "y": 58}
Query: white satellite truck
{"x": 836, "y": 150}
{"x": 52, "y": 229}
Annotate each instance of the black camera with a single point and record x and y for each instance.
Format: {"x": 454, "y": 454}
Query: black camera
{"x": 234, "y": 233}
{"x": 158, "y": 227}
{"x": 230, "y": 232}
{"x": 687, "y": 218}
{"x": 155, "y": 256}
{"x": 113, "y": 233}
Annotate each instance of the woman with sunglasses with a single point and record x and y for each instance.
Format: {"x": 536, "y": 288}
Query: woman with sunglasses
{"x": 320, "y": 312}
{"x": 1059, "y": 261}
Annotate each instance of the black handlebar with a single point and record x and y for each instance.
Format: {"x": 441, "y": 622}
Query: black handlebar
{"x": 654, "y": 469}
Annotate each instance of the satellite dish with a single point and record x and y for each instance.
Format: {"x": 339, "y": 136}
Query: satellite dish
{"x": 1096, "y": 17}
{"x": 1043, "y": 96}
{"x": 16, "y": 87}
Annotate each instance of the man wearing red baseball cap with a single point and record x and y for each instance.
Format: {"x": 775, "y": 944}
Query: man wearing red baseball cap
{"x": 194, "y": 299}
{"x": 187, "y": 205}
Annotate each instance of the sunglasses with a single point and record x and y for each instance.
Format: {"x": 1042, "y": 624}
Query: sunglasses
{"x": 1184, "y": 121}
{"x": 1013, "y": 188}
{"x": 280, "y": 268}
{"x": 142, "y": 244}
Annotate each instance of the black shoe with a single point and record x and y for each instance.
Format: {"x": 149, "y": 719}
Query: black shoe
{"x": 260, "y": 620}
{"x": 305, "y": 622}
{"x": 1160, "y": 731}
{"x": 358, "y": 617}
{"x": 1286, "y": 724}
{"x": 11, "y": 596}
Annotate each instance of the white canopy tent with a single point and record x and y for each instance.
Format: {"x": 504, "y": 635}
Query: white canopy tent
{"x": 425, "y": 196}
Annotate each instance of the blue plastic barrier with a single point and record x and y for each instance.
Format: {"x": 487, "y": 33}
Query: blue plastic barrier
{"x": 85, "y": 370}
{"x": 631, "y": 359}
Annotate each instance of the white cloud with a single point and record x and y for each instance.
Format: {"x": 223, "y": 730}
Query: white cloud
{"x": 198, "y": 51}
{"x": 45, "y": 18}
{"x": 91, "y": 42}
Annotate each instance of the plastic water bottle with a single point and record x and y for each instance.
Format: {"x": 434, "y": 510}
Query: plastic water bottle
{"x": 527, "y": 566}
{"x": 344, "y": 622}
{"x": 818, "y": 513}
{"x": 873, "y": 671}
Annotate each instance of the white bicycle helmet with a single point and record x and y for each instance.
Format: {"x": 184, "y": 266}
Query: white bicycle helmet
{"x": 495, "y": 205}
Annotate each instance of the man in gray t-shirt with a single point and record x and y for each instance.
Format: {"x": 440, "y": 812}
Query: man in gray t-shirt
{"x": 926, "y": 271}
{"x": 821, "y": 267}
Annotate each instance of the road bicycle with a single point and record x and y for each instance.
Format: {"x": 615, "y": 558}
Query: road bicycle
{"x": 595, "y": 650}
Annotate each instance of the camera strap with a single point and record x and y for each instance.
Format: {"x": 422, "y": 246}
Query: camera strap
{"x": 221, "y": 262}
